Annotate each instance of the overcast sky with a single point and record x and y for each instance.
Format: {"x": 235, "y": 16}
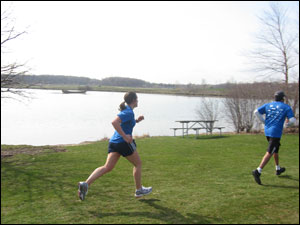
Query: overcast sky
{"x": 162, "y": 42}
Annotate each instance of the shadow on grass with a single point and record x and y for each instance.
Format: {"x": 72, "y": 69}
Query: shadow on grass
{"x": 51, "y": 184}
{"x": 280, "y": 186}
{"x": 203, "y": 137}
{"x": 164, "y": 214}
{"x": 288, "y": 177}
{"x": 211, "y": 137}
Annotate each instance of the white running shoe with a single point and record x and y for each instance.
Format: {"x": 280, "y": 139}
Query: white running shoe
{"x": 82, "y": 190}
{"x": 143, "y": 191}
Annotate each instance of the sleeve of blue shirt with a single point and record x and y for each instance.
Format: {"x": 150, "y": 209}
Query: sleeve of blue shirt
{"x": 125, "y": 116}
{"x": 262, "y": 109}
{"x": 290, "y": 113}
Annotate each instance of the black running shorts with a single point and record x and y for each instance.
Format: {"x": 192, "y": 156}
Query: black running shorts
{"x": 274, "y": 144}
{"x": 123, "y": 148}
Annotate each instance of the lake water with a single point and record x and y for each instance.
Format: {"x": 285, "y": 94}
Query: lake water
{"x": 49, "y": 117}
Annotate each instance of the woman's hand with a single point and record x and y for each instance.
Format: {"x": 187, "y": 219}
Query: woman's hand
{"x": 140, "y": 119}
{"x": 128, "y": 138}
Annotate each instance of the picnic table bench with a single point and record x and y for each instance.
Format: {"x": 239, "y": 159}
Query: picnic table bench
{"x": 207, "y": 125}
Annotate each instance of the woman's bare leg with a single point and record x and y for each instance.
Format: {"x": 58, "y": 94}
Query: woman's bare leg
{"x": 137, "y": 169}
{"x": 111, "y": 161}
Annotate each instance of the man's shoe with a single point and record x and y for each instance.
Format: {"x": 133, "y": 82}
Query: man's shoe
{"x": 256, "y": 175}
{"x": 143, "y": 191}
{"x": 278, "y": 172}
{"x": 82, "y": 190}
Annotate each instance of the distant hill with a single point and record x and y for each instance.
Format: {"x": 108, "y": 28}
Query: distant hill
{"x": 73, "y": 80}
{"x": 124, "y": 82}
{"x": 57, "y": 80}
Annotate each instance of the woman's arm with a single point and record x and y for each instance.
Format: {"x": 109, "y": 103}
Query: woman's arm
{"x": 117, "y": 125}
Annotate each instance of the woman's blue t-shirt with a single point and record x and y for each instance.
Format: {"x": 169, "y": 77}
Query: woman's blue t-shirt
{"x": 127, "y": 124}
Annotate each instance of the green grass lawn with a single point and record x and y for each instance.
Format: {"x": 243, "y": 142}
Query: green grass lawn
{"x": 203, "y": 181}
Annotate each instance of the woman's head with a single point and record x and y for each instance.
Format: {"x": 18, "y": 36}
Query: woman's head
{"x": 130, "y": 98}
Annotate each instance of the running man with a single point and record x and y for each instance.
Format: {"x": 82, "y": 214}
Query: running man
{"x": 276, "y": 113}
{"x": 121, "y": 143}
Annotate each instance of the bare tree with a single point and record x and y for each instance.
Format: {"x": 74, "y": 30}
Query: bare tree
{"x": 277, "y": 45}
{"x": 9, "y": 71}
{"x": 241, "y": 101}
{"x": 208, "y": 109}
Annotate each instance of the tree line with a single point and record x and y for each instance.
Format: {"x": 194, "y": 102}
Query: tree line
{"x": 30, "y": 80}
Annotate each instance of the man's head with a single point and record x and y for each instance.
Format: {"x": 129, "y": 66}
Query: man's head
{"x": 279, "y": 96}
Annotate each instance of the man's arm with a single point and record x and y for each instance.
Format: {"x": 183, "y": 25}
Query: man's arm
{"x": 291, "y": 122}
{"x": 260, "y": 116}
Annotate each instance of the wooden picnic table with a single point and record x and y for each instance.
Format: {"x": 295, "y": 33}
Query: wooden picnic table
{"x": 187, "y": 125}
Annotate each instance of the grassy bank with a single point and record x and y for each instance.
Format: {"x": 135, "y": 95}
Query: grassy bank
{"x": 206, "y": 180}
{"x": 168, "y": 91}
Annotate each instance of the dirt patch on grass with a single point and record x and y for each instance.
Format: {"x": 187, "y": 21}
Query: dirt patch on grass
{"x": 9, "y": 150}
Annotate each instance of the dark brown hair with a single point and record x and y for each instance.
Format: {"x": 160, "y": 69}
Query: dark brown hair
{"x": 129, "y": 97}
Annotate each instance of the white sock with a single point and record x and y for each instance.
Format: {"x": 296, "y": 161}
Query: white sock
{"x": 278, "y": 167}
{"x": 259, "y": 169}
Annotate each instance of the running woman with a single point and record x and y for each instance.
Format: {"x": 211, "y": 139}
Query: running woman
{"x": 276, "y": 113}
{"x": 121, "y": 143}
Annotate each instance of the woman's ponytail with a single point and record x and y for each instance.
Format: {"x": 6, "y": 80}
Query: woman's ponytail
{"x": 122, "y": 106}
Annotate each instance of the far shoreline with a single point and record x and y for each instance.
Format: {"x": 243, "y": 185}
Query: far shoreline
{"x": 160, "y": 91}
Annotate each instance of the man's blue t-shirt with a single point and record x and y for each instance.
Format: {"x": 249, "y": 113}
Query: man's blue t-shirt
{"x": 128, "y": 123}
{"x": 276, "y": 113}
